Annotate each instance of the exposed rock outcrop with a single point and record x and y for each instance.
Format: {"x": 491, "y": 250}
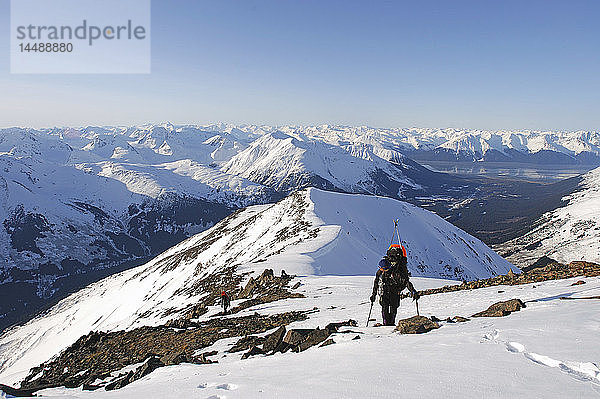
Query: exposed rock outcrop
{"x": 17, "y": 393}
{"x": 416, "y": 325}
{"x": 500, "y": 309}
{"x": 296, "y": 340}
{"x": 151, "y": 364}
{"x": 255, "y": 350}
{"x": 246, "y": 343}
{"x": 266, "y": 288}
{"x": 97, "y": 355}
{"x": 273, "y": 340}
{"x": 551, "y": 271}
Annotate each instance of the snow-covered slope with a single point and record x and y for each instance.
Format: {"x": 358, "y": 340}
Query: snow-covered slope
{"x": 568, "y": 233}
{"x": 547, "y": 350}
{"x": 311, "y": 232}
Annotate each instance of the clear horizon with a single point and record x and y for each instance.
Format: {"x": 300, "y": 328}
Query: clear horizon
{"x": 466, "y": 65}
{"x": 120, "y": 125}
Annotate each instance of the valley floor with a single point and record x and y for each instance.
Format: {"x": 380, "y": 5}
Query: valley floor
{"x": 547, "y": 350}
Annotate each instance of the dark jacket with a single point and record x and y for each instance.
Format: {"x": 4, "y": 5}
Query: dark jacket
{"x": 393, "y": 281}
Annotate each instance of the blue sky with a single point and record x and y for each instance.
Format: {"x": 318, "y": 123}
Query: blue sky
{"x": 466, "y": 64}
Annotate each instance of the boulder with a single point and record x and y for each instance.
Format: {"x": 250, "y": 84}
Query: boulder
{"x": 248, "y": 288}
{"x": 203, "y": 358}
{"x": 333, "y": 327}
{"x": 88, "y": 386}
{"x": 266, "y": 276}
{"x": 255, "y": 350}
{"x": 151, "y": 364}
{"x": 500, "y": 309}
{"x": 327, "y": 342}
{"x": 273, "y": 340}
{"x": 295, "y": 336}
{"x": 578, "y": 282}
{"x": 315, "y": 337}
{"x": 175, "y": 358}
{"x": 120, "y": 382}
{"x": 416, "y": 325}
{"x": 266, "y": 284}
{"x": 245, "y": 343}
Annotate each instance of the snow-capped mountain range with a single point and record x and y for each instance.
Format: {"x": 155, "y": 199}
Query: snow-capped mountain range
{"x": 541, "y": 147}
{"x": 566, "y": 233}
{"x": 310, "y": 232}
{"x": 75, "y": 200}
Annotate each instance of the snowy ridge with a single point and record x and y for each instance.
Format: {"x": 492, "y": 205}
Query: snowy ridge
{"x": 566, "y": 234}
{"x": 311, "y": 232}
{"x": 179, "y": 177}
{"x": 285, "y": 162}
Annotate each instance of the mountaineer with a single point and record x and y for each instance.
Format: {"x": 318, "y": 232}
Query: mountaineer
{"x": 225, "y": 301}
{"x": 391, "y": 279}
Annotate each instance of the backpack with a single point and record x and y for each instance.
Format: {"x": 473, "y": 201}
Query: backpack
{"x": 395, "y": 278}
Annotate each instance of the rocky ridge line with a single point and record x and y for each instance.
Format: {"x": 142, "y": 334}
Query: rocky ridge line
{"x": 551, "y": 271}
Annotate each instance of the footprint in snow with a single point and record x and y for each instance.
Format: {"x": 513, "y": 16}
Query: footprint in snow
{"x": 515, "y": 347}
{"x": 227, "y": 387}
{"x": 491, "y": 336}
{"x": 543, "y": 360}
{"x": 583, "y": 371}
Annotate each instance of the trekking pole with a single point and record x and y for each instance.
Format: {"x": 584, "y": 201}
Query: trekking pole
{"x": 417, "y": 303}
{"x": 369, "y": 318}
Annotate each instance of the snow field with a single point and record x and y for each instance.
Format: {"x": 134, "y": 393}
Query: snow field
{"x": 547, "y": 350}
